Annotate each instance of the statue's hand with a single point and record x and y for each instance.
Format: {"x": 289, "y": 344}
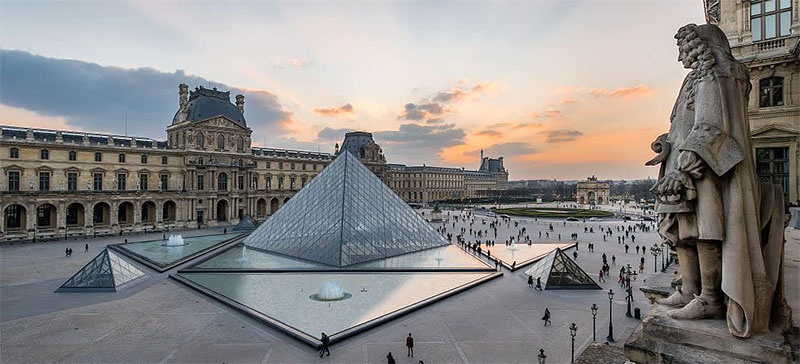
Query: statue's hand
{"x": 675, "y": 183}
{"x": 691, "y": 163}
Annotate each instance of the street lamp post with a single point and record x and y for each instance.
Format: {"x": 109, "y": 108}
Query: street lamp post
{"x": 655, "y": 250}
{"x": 541, "y": 356}
{"x": 594, "y": 321}
{"x": 610, "y": 337}
{"x": 573, "y": 329}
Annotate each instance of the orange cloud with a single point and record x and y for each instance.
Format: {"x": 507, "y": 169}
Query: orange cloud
{"x": 569, "y": 100}
{"x": 490, "y": 133}
{"x": 549, "y": 114}
{"x": 345, "y": 109}
{"x": 634, "y": 91}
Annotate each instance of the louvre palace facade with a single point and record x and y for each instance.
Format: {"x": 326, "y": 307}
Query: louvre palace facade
{"x": 206, "y": 173}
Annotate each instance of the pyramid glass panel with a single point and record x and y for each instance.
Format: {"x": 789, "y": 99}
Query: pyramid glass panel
{"x": 106, "y": 271}
{"x": 344, "y": 216}
{"x": 558, "y": 271}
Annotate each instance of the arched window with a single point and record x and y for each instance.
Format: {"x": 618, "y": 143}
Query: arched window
{"x": 222, "y": 182}
{"x": 201, "y": 141}
{"x": 770, "y": 92}
{"x": 221, "y": 142}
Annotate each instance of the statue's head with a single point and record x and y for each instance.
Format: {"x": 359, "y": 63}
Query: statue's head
{"x": 702, "y": 46}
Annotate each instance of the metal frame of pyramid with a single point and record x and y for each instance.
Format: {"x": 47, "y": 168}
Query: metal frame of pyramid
{"x": 344, "y": 216}
{"x": 246, "y": 224}
{"x": 105, "y": 272}
{"x": 558, "y": 271}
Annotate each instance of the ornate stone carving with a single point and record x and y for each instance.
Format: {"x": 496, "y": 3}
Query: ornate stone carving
{"x": 727, "y": 228}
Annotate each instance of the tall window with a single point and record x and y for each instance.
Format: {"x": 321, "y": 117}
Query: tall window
{"x": 240, "y": 144}
{"x": 280, "y": 165}
{"x": 97, "y": 180}
{"x": 44, "y": 181}
{"x": 240, "y": 182}
{"x": 304, "y": 166}
{"x": 98, "y": 157}
{"x": 13, "y": 180}
{"x": 164, "y": 181}
{"x": 44, "y": 154}
{"x": 221, "y": 142}
{"x": 292, "y": 166}
{"x": 13, "y": 216}
{"x": 268, "y": 165}
{"x": 163, "y": 159}
{"x": 143, "y": 182}
{"x": 201, "y": 182}
{"x": 13, "y": 153}
{"x": 122, "y": 158}
{"x": 121, "y": 179}
{"x": 222, "y": 182}
{"x": 280, "y": 183}
{"x": 73, "y": 155}
{"x": 72, "y": 181}
{"x": 772, "y": 165}
{"x": 144, "y": 158}
{"x": 201, "y": 141}
{"x": 770, "y": 92}
{"x": 770, "y": 19}
{"x": 303, "y": 182}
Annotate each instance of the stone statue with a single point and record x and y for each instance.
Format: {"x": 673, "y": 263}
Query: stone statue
{"x": 30, "y": 185}
{"x": 61, "y": 185}
{"x": 727, "y": 228}
{"x": 88, "y": 185}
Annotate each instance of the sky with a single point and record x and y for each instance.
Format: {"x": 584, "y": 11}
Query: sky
{"x": 561, "y": 89}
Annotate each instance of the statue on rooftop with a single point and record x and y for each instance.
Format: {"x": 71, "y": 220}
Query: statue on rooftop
{"x": 727, "y": 228}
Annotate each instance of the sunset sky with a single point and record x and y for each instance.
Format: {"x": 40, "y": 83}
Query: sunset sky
{"x": 562, "y": 89}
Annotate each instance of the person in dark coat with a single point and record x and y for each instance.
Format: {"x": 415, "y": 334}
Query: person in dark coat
{"x": 390, "y": 358}
{"x": 538, "y": 283}
{"x": 530, "y": 281}
{"x": 326, "y": 341}
{"x": 546, "y": 317}
{"x": 410, "y": 345}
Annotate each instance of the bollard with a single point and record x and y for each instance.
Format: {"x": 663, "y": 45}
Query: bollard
{"x": 637, "y": 313}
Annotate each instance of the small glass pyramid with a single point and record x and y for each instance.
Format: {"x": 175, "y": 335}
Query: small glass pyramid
{"x": 105, "y": 272}
{"x": 345, "y": 216}
{"x": 558, "y": 271}
{"x": 246, "y": 224}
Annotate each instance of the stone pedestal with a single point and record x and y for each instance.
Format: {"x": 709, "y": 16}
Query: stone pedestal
{"x": 436, "y": 215}
{"x": 660, "y": 339}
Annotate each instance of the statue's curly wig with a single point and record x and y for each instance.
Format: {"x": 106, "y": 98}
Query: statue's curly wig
{"x": 698, "y": 54}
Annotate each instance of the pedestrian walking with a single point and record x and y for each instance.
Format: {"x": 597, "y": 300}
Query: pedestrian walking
{"x": 546, "y": 317}
{"x": 390, "y": 358}
{"x": 86, "y": 247}
{"x": 410, "y": 345}
{"x": 538, "y": 283}
{"x": 66, "y": 252}
{"x": 601, "y": 275}
{"x": 575, "y": 255}
{"x": 530, "y": 281}
{"x": 326, "y": 341}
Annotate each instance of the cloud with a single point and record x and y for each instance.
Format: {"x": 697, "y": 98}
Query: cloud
{"x": 345, "y": 109}
{"x": 93, "y": 97}
{"x": 562, "y": 135}
{"x": 413, "y": 143}
{"x": 510, "y": 149}
{"x": 434, "y": 121}
{"x": 569, "y": 100}
{"x": 634, "y": 91}
{"x": 566, "y": 90}
{"x": 528, "y": 125}
{"x": 490, "y": 133}
{"x": 456, "y": 93}
{"x": 328, "y": 134}
{"x": 548, "y": 114}
{"x": 425, "y": 111}
{"x": 294, "y": 62}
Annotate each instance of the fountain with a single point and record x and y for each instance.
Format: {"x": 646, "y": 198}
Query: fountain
{"x": 243, "y": 258}
{"x": 330, "y": 291}
{"x": 175, "y": 240}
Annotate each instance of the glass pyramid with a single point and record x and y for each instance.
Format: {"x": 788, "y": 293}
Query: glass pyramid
{"x": 105, "y": 272}
{"x": 558, "y": 271}
{"x": 246, "y": 224}
{"x": 345, "y": 216}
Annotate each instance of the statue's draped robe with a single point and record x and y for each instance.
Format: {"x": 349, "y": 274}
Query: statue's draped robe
{"x": 729, "y": 206}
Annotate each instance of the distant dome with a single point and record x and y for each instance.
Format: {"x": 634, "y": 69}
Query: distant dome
{"x": 207, "y": 103}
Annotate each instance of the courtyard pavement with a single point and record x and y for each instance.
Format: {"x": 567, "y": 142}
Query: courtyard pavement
{"x": 158, "y": 320}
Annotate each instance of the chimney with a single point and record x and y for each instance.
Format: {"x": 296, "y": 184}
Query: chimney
{"x": 240, "y": 103}
{"x": 183, "y": 101}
